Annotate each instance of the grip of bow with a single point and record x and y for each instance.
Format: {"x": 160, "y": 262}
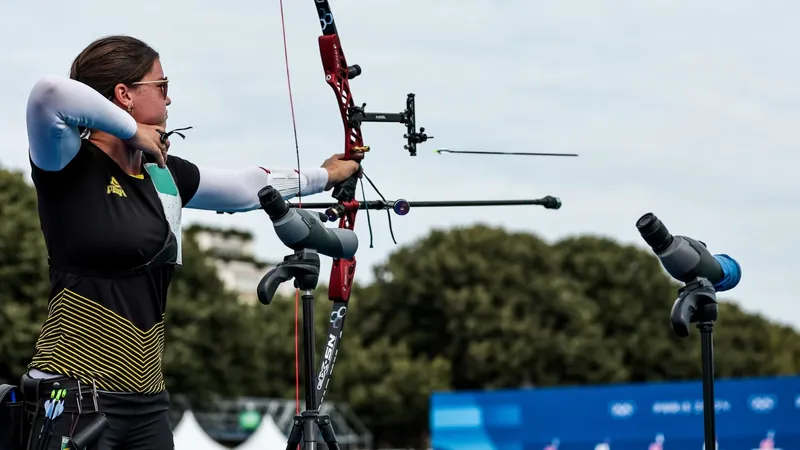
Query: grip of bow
{"x": 338, "y": 75}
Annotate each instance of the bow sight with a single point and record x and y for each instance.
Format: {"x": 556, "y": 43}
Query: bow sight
{"x": 357, "y": 115}
{"x": 338, "y": 75}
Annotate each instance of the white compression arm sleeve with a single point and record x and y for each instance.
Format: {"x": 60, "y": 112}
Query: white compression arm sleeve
{"x": 57, "y": 106}
{"x": 237, "y": 190}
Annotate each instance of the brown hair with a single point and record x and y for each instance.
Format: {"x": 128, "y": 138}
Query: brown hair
{"x": 111, "y": 60}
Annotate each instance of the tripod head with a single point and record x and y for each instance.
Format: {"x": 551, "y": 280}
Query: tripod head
{"x": 302, "y": 265}
{"x": 696, "y": 303}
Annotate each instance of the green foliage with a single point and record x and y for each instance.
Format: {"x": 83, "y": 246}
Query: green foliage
{"x": 494, "y": 305}
{"x": 634, "y": 298}
{"x": 508, "y": 310}
{"x": 469, "y": 308}
{"x": 24, "y": 285}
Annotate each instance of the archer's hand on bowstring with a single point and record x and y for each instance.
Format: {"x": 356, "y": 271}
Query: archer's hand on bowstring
{"x": 339, "y": 170}
{"x": 148, "y": 140}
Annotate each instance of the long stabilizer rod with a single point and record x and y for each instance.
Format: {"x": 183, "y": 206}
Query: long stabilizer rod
{"x": 401, "y": 207}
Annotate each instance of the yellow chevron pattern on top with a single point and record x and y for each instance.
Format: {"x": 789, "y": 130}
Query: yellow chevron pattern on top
{"x": 84, "y": 340}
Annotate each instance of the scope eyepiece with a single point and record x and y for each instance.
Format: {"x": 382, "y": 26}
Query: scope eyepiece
{"x": 272, "y": 203}
{"x": 654, "y": 232}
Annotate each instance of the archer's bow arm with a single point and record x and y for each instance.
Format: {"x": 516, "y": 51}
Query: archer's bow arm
{"x": 236, "y": 190}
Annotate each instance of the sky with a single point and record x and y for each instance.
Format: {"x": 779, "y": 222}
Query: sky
{"x": 684, "y": 109}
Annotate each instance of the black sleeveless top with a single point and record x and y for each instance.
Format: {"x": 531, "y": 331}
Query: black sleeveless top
{"x": 105, "y": 323}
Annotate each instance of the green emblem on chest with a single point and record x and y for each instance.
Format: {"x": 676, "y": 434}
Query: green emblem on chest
{"x": 162, "y": 179}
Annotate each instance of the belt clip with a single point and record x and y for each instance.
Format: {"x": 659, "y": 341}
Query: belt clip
{"x": 94, "y": 396}
{"x": 80, "y": 399}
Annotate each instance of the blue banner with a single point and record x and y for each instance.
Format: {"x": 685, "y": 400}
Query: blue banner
{"x": 752, "y": 414}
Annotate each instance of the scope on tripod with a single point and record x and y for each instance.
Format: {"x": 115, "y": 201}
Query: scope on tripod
{"x": 702, "y": 273}
{"x": 689, "y": 261}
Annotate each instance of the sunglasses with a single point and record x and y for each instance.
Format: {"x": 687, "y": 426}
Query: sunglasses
{"x": 163, "y": 84}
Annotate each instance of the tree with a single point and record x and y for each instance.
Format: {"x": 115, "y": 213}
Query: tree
{"x": 635, "y": 297}
{"x": 23, "y": 275}
{"x": 495, "y": 305}
{"x": 747, "y": 344}
{"x": 486, "y": 309}
{"x": 509, "y": 310}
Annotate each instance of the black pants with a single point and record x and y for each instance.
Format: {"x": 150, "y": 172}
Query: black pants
{"x": 135, "y": 421}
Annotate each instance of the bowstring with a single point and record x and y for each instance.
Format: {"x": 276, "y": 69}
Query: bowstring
{"x": 300, "y": 204}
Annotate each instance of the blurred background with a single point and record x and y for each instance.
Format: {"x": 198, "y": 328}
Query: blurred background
{"x": 483, "y": 328}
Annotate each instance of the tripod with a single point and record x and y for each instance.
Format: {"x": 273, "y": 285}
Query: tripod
{"x": 697, "y": 303}
{"x": 303, "y": 266}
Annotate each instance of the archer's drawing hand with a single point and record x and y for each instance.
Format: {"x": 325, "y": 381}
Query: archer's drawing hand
{"x": 148, "y": 140}
{"x": 339, "y": 169}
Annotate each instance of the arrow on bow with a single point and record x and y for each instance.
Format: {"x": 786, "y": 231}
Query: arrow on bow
{"x": 481, "y": 152}
{"x": 338, "y": 74}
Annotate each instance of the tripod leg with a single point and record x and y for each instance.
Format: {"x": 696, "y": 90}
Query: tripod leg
{"x": 709, "y": 406}
{"x": 296, "y": 434}
{"x": 324, "y": 424}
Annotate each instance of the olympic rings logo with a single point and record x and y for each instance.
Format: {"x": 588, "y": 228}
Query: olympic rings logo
{"x": 762, "y": 403}
{"x": 622, "y": 409}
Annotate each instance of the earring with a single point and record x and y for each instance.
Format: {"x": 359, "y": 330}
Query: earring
{"x": 130, "y": 107}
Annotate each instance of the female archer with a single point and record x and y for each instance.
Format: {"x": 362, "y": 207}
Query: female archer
{"x": 110, "y": 200}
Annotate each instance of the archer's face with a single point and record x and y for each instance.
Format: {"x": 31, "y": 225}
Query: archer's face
{"x": 151, "y": 98}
